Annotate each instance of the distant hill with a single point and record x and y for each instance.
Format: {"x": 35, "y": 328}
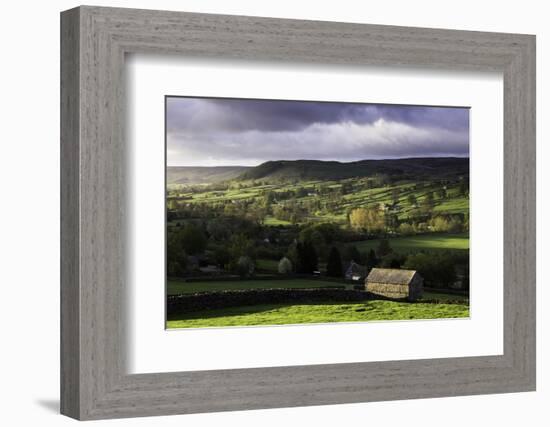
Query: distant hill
{"x": 415, "y": 168}
{"x": 202, "y": 174}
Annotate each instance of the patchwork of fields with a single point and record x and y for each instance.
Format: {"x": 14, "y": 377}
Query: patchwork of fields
{"x": 306, "y": 223}
{"x": 317, "y": 194}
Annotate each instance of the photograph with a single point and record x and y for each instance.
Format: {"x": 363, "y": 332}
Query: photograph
{"x": 286, "y": 212}
{"x": 320, "y": 213}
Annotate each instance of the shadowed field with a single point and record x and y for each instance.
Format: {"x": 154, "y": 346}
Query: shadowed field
{"x": 176, "y": 288}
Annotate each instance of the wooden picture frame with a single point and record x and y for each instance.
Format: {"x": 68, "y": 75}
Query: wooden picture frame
{"x": 94, "y": 382}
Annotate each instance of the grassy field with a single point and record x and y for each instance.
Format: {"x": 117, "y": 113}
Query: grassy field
{"x": 425, "y": 241}
{"x": 267, "y": 264}
{"x": 175, "y": 287}
{"x": 329, "y": 312}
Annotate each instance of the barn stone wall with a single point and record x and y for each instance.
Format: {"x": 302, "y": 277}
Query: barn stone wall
{"x": 388, "y": 290}
{"x": 410, "y": 292}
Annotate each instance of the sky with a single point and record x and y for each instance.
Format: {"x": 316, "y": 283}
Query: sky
{"x": 245, "y": 132}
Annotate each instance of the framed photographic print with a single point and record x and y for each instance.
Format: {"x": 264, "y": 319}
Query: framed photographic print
{"x": 262, "y": 213}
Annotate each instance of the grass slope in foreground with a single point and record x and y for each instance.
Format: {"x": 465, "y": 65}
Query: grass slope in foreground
{"x": 284, "y": 314}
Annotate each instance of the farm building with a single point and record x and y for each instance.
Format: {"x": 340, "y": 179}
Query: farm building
{"x": 395, "y": 283}
{"x": 355, "y": 271}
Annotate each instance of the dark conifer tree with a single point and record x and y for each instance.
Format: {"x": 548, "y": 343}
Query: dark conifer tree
{"x": 371, "y": 261}
{"x": 334, "y": 263}
{"x": 306, "y": 258}
{"x": 384, "y": 248}
{"x": 353, "y": 254}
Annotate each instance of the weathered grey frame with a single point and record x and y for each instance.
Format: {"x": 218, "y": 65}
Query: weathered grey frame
{"x": 94, "y": 41}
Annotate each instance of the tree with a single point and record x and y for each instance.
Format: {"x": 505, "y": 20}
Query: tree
{"x": 456, "y": 225}
{"x": 429, "y": 197}
{"x": 217, "y": 230}
{"x": 269, "y": 198}
{"x": 256, "y": 214}
{"x": 239, "y": 246}
{"x": 384, "y": 248}
{"x": 306, "y": 258}
{"x": 392, "y": 260}
{"x": 318, "y": 242}
{"x": 395, "y": 195}
{"x": 442, "y": 193}
{"x": 330, "y": 231}
{"x": 428, "y": 202}
{"x": 292, "y": 253}
{"x": 369, "y": 219}
{"x": 406, "y": 229}
{"x": 285, "y": 266}
{"x": 334, "y": 263}
{"x": 172, "y": 204}
{"x": 371, "y": 261}
{"x": 392, "y": 221}
{"x": 175, "y": 251}
{"x": 352, "y": 254}
{"x": 437, "y": 270}
{"x": 193, "y": 239}
{"x": 346, "y": 188}
{"x": 440, "y": 224}
{"x": 222, "y": 256}
{"x": 245, "y": 266}
{"x": 175, "y": 269}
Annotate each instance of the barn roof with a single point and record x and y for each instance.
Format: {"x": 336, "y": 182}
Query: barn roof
{"x": 390, "y": 275}
{"x": 356, "y": 268}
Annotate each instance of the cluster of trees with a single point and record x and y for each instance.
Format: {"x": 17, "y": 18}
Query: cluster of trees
{"x": 369, "y": 220}
{"x": 314, "y": 244}
{"x": 374, "y": 221}
{"x": 303, "y": 257}
{"x": 181, "y": 242}
{"x": 292, "y": 212}
{"x": 232, "y": 247}
{"x": 228, "y": 241}
{"x": 453, "y": 224}
{"x": 439, "y": 269}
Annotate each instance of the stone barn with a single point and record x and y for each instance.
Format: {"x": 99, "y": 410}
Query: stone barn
{"x": 395, "y": 283}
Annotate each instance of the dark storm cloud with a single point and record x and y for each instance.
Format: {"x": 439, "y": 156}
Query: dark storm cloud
{"x": 237, "y": 115}
{"x": 238, "y": 131}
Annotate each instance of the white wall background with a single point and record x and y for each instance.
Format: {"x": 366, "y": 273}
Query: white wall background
{"x": 29, "y": 215}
